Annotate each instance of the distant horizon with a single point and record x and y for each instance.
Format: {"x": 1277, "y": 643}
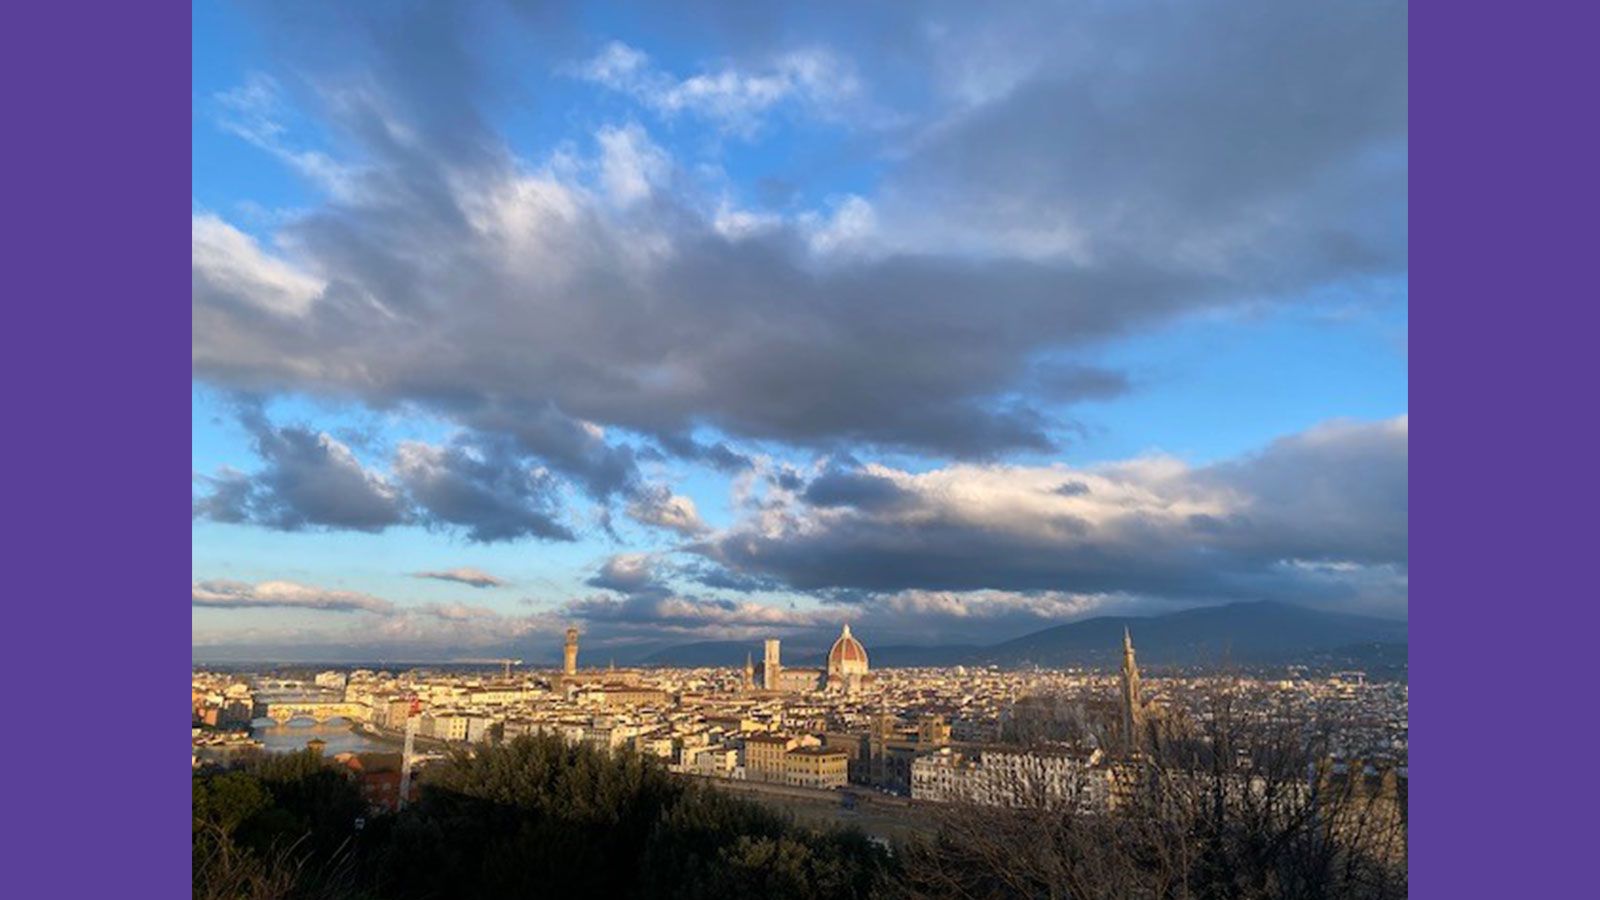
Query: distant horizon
{"x": 810, "y": 645}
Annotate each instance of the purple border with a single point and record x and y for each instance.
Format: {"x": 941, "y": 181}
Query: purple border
{"x": 96, "y": 373}
{"x": 97, "y": 102}
{"x": 1502, "y": 611}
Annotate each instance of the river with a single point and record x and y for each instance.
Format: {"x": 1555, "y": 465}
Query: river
{"x": 338, "y": 734}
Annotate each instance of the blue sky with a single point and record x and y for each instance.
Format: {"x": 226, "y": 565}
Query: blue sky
{"x": 728, "y": 323}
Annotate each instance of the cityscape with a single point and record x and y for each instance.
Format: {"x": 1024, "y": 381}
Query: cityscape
{"x": 807, "y": 738}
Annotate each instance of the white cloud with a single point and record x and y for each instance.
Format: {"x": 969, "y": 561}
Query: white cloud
{"x": 434, "y": 625}
{"x": 849, "y": 228}
{"x": 733, "y": 98}
{"x": 223, "y": 594}
{"x": 631, "y": 165}
{"x": 231, "y": 263}
{"x": 1319, "y": 516}
{"x": 466, "y": 575}
{"x": 663, "y": 509}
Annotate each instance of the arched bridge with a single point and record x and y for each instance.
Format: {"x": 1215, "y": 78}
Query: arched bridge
{"x": 284, "y": 710}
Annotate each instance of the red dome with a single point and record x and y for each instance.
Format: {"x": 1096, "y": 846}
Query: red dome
{"x": 847, "y": 654}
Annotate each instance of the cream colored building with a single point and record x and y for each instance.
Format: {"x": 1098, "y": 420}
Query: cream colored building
{"x": 764, "y": 756}
{"x": 816, "y": 767}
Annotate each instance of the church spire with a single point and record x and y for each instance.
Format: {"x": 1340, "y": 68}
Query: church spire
{"x": 1132, "y": 703}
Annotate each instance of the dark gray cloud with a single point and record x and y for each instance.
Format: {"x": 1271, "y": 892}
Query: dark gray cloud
{"x": 1057, "y": 200}
{"x": 1263, "y": 142}
{"x": 858, "y": 489}
{"x": 465, "y": 575}
{"x": 308, "y": 479}
{"x": 1312, "y": 517}
{"x": 718, "y": 454}
{"x": 485, "y": 489}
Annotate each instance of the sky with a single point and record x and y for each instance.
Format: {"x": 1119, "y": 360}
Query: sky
{"x": 713, "y": 322}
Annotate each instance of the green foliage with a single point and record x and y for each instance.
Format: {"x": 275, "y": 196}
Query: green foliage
{"x": 225, "y": 801}
{"x": 711, "y": 845}
{"x": 532, "y": 818}
{"x": 279, "y": 828}
{"x": 537, "y": 817}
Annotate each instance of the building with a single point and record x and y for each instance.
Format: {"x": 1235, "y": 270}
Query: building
{"x": 712, "y": 761}
{"x": 1053, "y": 779}
{"x": 892, "y": 748}
{"x": 770, "y": 665}
{"x": 1364, "y": 806}
{"x": 620, "y": 695}
{"x": 857, "y": 755}
{"x": 799, "y": 681}
{"x": 455, "y": 726}
{"x": 847, "y": 663}
{"x": 816, "y": 767}
{"x": 763, "y": 756}
{"x": 569, "y": 657}
{"x": 377, "y": 775}
{"x": 1132, "y": 703}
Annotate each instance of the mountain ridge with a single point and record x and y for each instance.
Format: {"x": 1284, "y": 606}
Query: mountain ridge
{"x": 1245, "y": 633}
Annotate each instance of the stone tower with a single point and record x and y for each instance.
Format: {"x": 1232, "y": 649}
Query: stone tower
{"x": 1132, "y": 705}
{"x": 770, "y": 666}
{"x": 749, "y": 673}
{"x": 570, "y": 657}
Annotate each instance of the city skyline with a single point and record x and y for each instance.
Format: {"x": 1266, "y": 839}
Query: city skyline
{"x": 733, "y": 326}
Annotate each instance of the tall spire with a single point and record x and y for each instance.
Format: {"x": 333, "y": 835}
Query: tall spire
{"x": 1132, "y": 703}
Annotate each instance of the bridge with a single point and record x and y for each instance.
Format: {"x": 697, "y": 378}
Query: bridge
{"x": 282, "y": 711}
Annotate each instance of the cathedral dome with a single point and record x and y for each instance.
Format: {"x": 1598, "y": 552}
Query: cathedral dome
{"x": 847, "y": 657}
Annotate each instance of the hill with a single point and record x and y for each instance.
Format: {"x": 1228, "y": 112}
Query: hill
{"x": 1257, "y": 633}
{"x": 1262, "y": 632}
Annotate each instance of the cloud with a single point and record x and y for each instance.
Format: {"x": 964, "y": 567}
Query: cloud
{"x": 309, "y": 479}
{"x": 230, "y": 267}
{"x": 862, "y": 490}
{"x": 628, "y": 573}
{"x": 699, "y": 618}
{"x": 733, "y": 98}
{"x": 1311, "y": 517}
{"x": 435, "y": 629}
{"x": 465, "y": 575}
{"x": 1076, "y": 198}
{"x": 222, "y": 594}
{"x": 1280, "y": 161}
{"x": 631, "y": 165}
{"x": 658, "y": 507}
{"x": 483, "y": 488}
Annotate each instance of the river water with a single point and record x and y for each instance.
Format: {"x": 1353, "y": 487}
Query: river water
{"x": 336, "y": 733}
